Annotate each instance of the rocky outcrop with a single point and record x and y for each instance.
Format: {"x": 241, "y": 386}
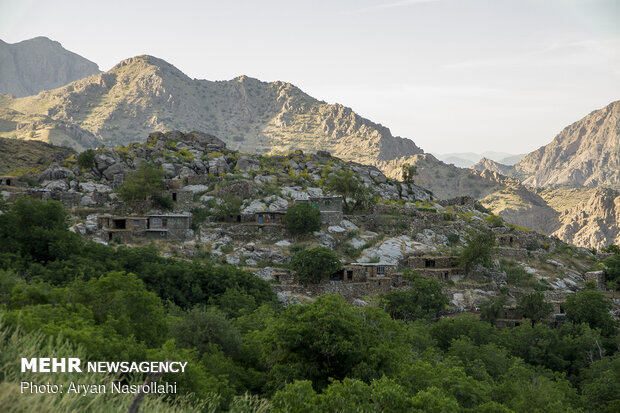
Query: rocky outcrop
{"x": 28, "y": 67}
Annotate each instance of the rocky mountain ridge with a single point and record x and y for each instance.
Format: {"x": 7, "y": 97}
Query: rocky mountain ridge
{"x": 37, "y": 64}
{"x": 144, "y": 93}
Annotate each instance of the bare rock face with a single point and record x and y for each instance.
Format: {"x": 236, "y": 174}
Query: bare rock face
{"x": 28, "y": 67}
{"x": 594, "y": 223}
{"x": 586, "y": 153}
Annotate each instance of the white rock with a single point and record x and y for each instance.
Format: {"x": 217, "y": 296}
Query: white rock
{"x": 87, "y": 201}
{"x": 206, "y": 198}
{"x": 336, "y": 229}
{"x": 348, "y": 225}
{"x": 255, "y": 206}
{"x": 196, "y": 188}
{"x": 94, "y": 187}
{"x": 357, "y": 242}
{"x": 283, "y": 243}
{"x": 392, "y": 250}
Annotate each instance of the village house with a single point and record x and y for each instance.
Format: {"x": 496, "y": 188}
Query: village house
{"x": 11, "y": 181}
{"x": 330, "y": 208}
{"x": 363, "y": 272}
{"x": 126, "y": 228}
{"x": 444, "y": 268}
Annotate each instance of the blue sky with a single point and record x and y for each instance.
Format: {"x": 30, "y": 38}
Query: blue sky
{"x": 452, "y": 75}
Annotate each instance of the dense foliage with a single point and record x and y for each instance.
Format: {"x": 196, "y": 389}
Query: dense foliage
{"x": 142, "y": 183}
{"x": 302, "y": 218}
{"x": 247, "y": 353}
{"x": 479, "y": 246}
{"x": 313, "y": 265}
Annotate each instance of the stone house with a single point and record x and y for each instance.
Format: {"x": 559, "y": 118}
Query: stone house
{"x": 598, "y": 277}
{"x": 441, "y": 267}
{"x": 11, "y": 181}
{"x": 329, "y": 206}
{"x": 269, "y": 217}
{"x": 363, "y": 272}
{"x": 126, "y": 228}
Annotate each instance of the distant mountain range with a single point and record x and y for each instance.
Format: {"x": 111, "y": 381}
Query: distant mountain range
{"x": 144, "y": 94}
{"x": 469, "y": 159}
{"x": 28, "y": 67}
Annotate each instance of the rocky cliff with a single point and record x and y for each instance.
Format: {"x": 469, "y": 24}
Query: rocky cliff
{"x": 586, "y": 153}
{"x": 28, "y": 67}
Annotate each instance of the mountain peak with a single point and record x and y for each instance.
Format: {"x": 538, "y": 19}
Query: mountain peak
{"x": 37, "y": 64}
{"x": 585, "y": 153}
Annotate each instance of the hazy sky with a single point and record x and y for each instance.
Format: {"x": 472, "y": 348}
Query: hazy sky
{"x": 453, "y": 75}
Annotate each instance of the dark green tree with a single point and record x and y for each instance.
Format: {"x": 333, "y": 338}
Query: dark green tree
{"x": 493, "y": 309}
{"x": 408, "y": 172}
{"x": 423, "y": 300}
{"x": 479, "y": 247}
{"x": 346, "y": 184}
{"x": 302, "y": 218}
{"x": 86, "y": 159}
{"x": 591, "y": 307}
{"x": 312, "y": 265}
{"x": 142, "y": 183}
{"x": 534, "y": 307}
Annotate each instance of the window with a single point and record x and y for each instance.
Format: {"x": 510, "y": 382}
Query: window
{"x": 327, "y": 203}
{"x": 174, "y": 196}
{"x": 381, "y": 270}
{"x": 349, "y": 275}
{"x": 164, "y": 223}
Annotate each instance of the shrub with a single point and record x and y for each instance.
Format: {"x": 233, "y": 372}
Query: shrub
{"x": 86, "y": 159}
{"x": 302, "y": 218}
{"x": 312, "y": 265}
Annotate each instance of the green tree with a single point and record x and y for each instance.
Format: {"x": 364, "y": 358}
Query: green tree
{"x": 312, "y": 265}
{"x": 142, "y": 183}
{"x": 492, "y": 310}
{"x": 302, "y": 218}
{"x": 86, "y": 159}
{"x": 479, "y": 247}
{"x": 227, "y": 206}
{"x": 612, "y": 269}
{"x": 346, "y": 184}
{"x": 38, "y": 230}
{"x": 423, "y": 300}
{"x": 203, "y": 328}
{"x": 591, "y": 307}
{"x": 408, "y": 172}
{"x": 330, "y": 339}
{"x": 534, "y": 307}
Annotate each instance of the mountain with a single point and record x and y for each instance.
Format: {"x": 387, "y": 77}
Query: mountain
{"x": 468, "y": 159}
{"x": 144, "y": 93}
{"x": 594, "y": 222}
{"x": 30, "y": 66}
{"x": 586, "y": 153}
